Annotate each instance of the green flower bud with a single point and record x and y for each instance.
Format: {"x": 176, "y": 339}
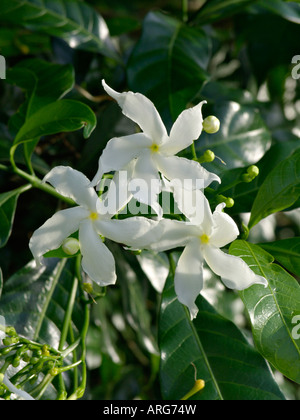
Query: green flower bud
{"x": 71, "y": 246}
{"x": 247, "y": 178}
{"x": 88, "y": 288}
{"x": 253, "y": 171}
{"x": 54, "y": 371}
{"x": 34, "y": 360}
{"x": 229, "y": 202}
{"x": 211, "y": 124}
{"x": 11, "y": 331}
{"x": 207, "y": 156}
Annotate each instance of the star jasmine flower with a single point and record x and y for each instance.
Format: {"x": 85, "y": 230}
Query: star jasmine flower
{"x": 153, "y": 150}
{"x": 202, "y": 239}
{"x": 91, "y": 219}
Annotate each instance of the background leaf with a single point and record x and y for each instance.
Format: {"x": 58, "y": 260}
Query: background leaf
{"x": 242, "y": 140}
{"x": 73, "y": 21}
{"x": 280, "y": 190}
{"x": 271, "y": 309}
{"x": 286, "y": 252}
{"x": 179, "y": 54}
{"x": 231, "y": 368}
{"x": 220, "y": 9}
{"x": 61, "y": 116}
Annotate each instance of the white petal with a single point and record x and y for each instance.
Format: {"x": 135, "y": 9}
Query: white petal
{"x": 185, "y": 130}
{"x": 51, "y": 235}
{"x": 118, "y": 194}
{"x": 97, "y": 261}
{"x": 191, "y": 203}
{"x": 174, "y": 234}
{"x": 137, "y": 232}
{"x": 225, "y": 229}
{"x": 234, "y": 272}
{"x": 189, "y": 276}
{"x": 146, "y": 184}
{"x": 141, "y": 110}
{"x": 185, "y": 170}
{"x": 119, "y": 152}
{"x": 73, "y": 184}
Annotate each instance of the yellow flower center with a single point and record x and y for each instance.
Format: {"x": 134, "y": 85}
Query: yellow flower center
{"x": 154, "y": 148}
{"x": 204, "y": 239}
{"x": 94, "y": 215}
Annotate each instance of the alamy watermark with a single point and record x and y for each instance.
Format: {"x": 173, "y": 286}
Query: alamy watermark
{"x": 296, "y": 68}
{"x": 2, "y": 67}
{"x": 296, "y": 329}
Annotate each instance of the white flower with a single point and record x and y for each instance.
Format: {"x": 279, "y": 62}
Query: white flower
{"x": 153, "y": 150}
{"x": 97, "y": 261}
{"x": 202, "y": 238}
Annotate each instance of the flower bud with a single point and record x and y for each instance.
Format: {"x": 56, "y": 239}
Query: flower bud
{"x": 253, "y": 171}
{"x": 208, "y": 156}
{"x": 71, "y": 246}
{"x": 88, "y": 288}
{"x": 229, "y": 202}
{"x": 211, "y": 124}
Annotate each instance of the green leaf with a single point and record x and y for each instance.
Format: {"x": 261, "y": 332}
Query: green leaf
{"x": 220, "y": 9}
{"x": 74, "y": 21}
{"x": 271, "y": 310}
{"x": 61, "y": 116}
{"x": 288, "y": 10}
{"x": 286, "y": 252}
{"x": 43, "y": 83}
{"x": 243, "y": 137}
{"x": 8, "y": 205}
{"x": 231, "y": 368}
{"x": 279, "y": 191}
{"x": 179, "y": 54}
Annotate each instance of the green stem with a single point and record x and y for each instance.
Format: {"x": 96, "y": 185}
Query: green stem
{"x": 4, "y": 168}
{"x": 194, "y": 154}
{"x": 36, "y": 182}
{"x": 185, "y": 10}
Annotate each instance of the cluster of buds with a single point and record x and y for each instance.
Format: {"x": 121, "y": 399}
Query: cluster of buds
{"x": 32, "y": 358}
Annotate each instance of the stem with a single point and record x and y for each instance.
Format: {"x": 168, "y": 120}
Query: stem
{"x": 185, "y": 9}
{"x": 36, "y": 182}
{"x": 194, "y": 151}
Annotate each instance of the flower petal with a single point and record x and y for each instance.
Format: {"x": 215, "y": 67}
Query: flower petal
{"x": 234, "y": 272}
{"x": 225, "y": 229}
{"x": 189, "y": 276}
{"x": 137, "y": 232}
{"x": 146, "y": 184}
{"x": 185, "y": 130}
{"x": 97, "y": 261}
{"x": 174, "y": 234}
{"x": 141, "y": 110}
{"x": 119, "y": 152}
{"x": 73, "y": 184}
{"x": 188, "y": 171}
{"x": 51, "y": 235}
{"x": 118, "y": 194}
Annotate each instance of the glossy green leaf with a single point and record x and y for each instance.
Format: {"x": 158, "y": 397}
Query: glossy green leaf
{"x": 179, "y": 54}
{"x": 231, "y": 368}
{"x": 61, "y": 116}
{"x": 43, "y": 83}
{"x": 220, "y": 9}
{"x": 271, "y": 309}
{"x": 286, "y": 252}
{"x": 243, "y": 137}
{"x": 8, "y": 205}
{"x": 279, "y": 191}
{"x": 289, "y": 10}
{"x": 74, "y": 21}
